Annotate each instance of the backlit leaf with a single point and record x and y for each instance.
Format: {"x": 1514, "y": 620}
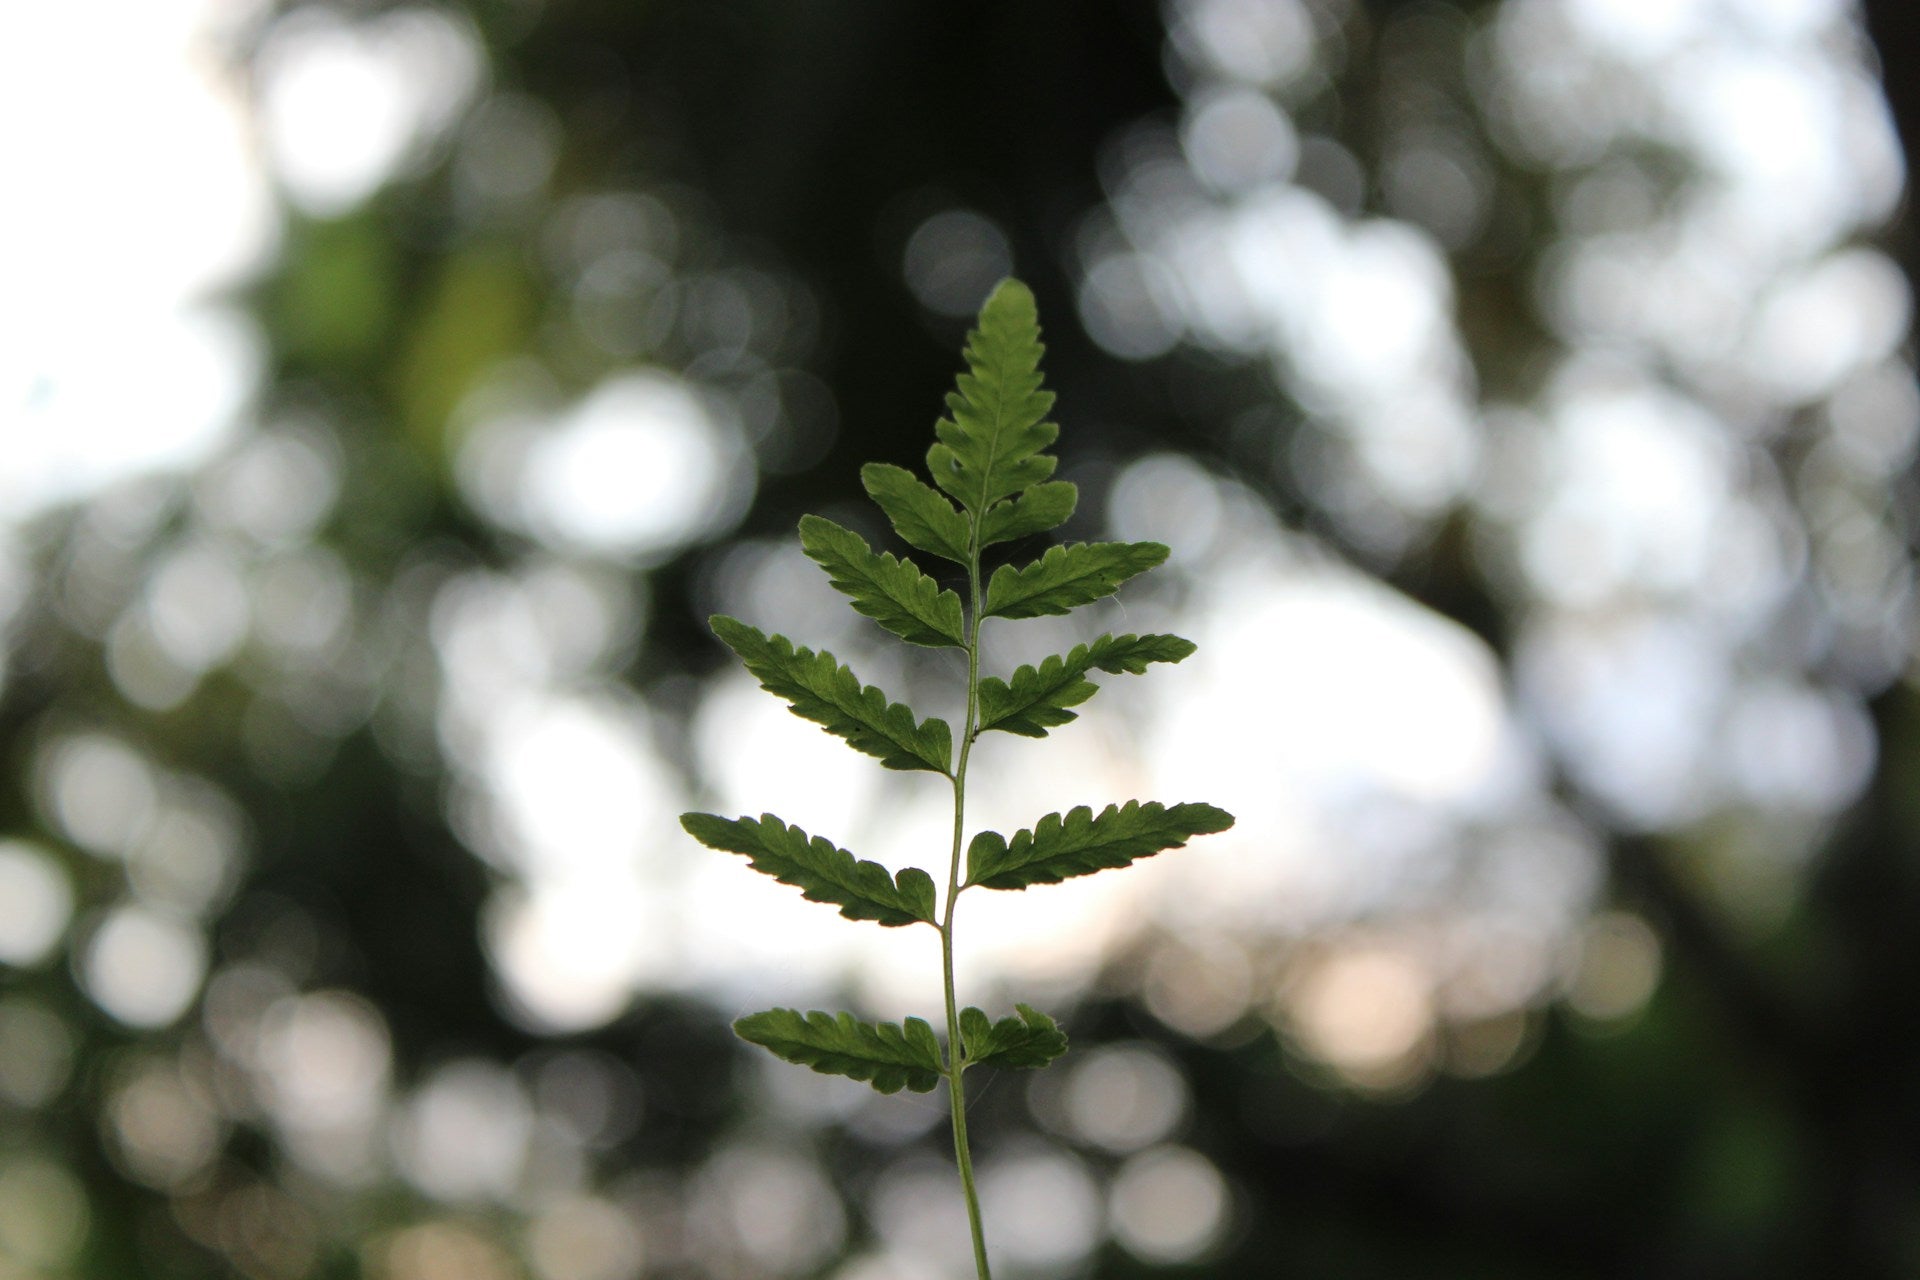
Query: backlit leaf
{"x": 990, "y": 447}
{"x": 1080, "y": 844}
{"x": 1036, "y": 699}
{"x": 1067, "y": 577}
{"x": 888, "y": 1056}
{"x": 1023, "y": 1043}
{"x": 830, "y": 695}
{"x": 919, "y": 514}
{"x": 821, "y": 870}
{"x": 894, "y": 593}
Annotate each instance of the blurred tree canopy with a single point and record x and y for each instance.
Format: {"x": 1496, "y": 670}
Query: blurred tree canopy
{"x": 344, "y": 926}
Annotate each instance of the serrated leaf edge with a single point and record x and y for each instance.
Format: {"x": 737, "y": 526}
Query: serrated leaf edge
{"x": 838, "y": 867}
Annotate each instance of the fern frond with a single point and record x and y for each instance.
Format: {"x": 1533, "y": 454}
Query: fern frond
{"x": 1023, "y": 1043}
{"x": 990, "y": 446}
{"x": 1079, "y": 844}
{"x": 821, "y": 870}
{"x": 894, "y": 593}
{"x": 1036, "y": 699}
{"x": 830, "y": 695}
{"x": 890, "y": 1056}
{"x": 1067, "y": 577}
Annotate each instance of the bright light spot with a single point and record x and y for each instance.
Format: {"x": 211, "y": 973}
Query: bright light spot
{"x": 1355, "y": 318}
{"x": 204, "y": 215}
{"x": 43, "y": 1214}
{"x": 1045, "y": 1209}
{"x": 954, "y": 259}
{"x": 578, "y": 783}
{"x": 180, "y": 382}
{"x": 915, "y": 1210}
{"x": 775, "y": 1208}
{"x": 1169, "y": 1206}
{"x": 238, "y": 997}
{"x": 1797, "y": 748}
{"x": 275, "y": 488}
{"x": 164, "y": 1128}
{"x": 1199, "y": 992}
{"x": 1376, "y": 316}
{"x": 463, "y": 1135}
{"x": 571, "y": 951}
{"x": 1786, "y": 20}
{"x": 583, "y": 1238}
{"x": 1641, "y": 32}
{"x": 1771, "y": 124}
{"x": 144, "y": 967}
{"x": 495, "y": 648}
{"x": 198, "y": 605}
{"x": 190, "y": 857}
{"x": 346, "y": 105}
{"x": 1367, "y": 1011}
{"x": 440, "y": 1251}
{"x": 1124, "y": 1097}
{"x": 641, "y": 467}
{"x": 303, "y": 602}
{"x": 1876, "y": 417}
{"x": 1238, "y": 138}
{"x": 1634, "y": 494}
{"x": 1167, "y": 498}
{"x": 141, "y": 668}
{"x": 1631, "y": 702}
{"x": 1126, "y": 305}
{"x": 324, "y": 1060}
{"x": 1367, "y": 687}
{"x": 1506, "y": 953}
{"x": 889, "y": 1266}
{"x": 108, "y": 366}
{"x": 1262, "y": 42}
{"x": 1619, "y": 967}
{"x": 36, "y": 901}
{"x": 1841, "y": 314}
{"x": 100, "y": 791}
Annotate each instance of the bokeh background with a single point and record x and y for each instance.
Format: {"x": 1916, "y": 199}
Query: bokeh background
{"x": 389, "y": 391}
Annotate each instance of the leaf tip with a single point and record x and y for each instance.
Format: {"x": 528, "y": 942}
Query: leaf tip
{"x": 1010, "y": 297}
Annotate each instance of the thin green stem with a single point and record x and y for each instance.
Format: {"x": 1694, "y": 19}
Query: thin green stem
{"x": 956, "y": 1065}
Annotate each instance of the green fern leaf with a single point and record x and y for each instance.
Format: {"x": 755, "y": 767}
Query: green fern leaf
{"x": 830, "y": 695}
{"x": 1080, "y": 844}
{"x": 1043, "y": 507}
{"x": 1023, "y": 1043}
{"x": 989, "y": 448}
{"x": 1036, "y": 699}
{"x": 917, "y": 512}
{"x": 820, "y": 869}
{"x": 889, "y": 1056}
{"x": 894, "y": 593}
{"x": 1067, "y": 577}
